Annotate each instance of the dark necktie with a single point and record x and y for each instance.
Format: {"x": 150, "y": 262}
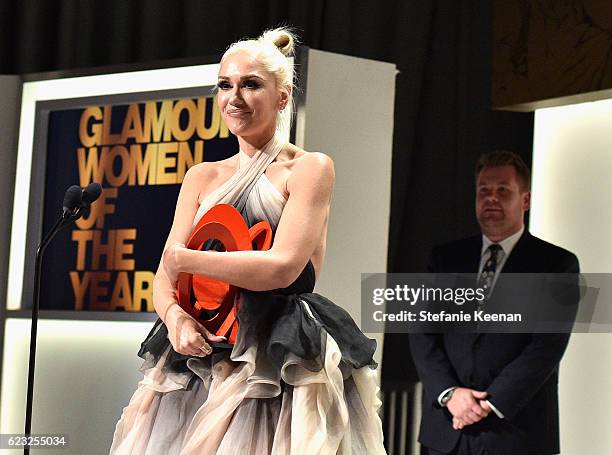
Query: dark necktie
{"x": 487, "y": 276}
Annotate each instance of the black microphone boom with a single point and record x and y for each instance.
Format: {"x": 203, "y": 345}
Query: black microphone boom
{"x": 75, "y": 202}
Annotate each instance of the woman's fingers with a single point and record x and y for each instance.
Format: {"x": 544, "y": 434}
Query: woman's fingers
{"x": 205, "y": 349}
{"x": 198, "y": 346}
{"x": 191, "y": 337}
{"x": 189, "y": 340}
{"x": 209, "y": 336}
{"x": 201, "y": 349}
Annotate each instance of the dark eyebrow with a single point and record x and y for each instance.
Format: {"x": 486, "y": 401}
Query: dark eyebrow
{"x": 248, "y": 76}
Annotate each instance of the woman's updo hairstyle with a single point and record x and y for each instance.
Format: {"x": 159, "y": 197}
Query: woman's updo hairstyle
{"x": 273, "y": 49}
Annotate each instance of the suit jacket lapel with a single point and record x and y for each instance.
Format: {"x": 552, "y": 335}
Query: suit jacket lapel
{"x": 472, "y": 256}
{"x": 472, "y": 264}
{"x": 519, "y": 256}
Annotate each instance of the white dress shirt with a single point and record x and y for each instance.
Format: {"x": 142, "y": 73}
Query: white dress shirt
{"x": 507, "y": 246}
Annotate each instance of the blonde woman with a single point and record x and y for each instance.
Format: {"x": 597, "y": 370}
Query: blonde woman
{"x": 300, "y": 378}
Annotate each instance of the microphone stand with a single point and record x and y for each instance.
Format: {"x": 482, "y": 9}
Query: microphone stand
{"x": 65, "y": 220}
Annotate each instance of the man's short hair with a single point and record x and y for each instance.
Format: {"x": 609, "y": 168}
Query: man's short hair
{"x": 506, "y": 158}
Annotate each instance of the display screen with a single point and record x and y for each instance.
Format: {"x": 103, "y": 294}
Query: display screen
{"x": 139, "y": 152}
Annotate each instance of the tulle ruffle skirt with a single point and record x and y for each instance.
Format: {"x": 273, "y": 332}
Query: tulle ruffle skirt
{"x": 288, "y": 386}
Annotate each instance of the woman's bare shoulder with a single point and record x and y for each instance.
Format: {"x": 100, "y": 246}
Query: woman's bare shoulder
{"x": 295, "y": 155}
{"x": 212, "y": 168}
{"x": 314, "y": 162}
{"x": 202, "y": 178}
{"x": 310, "y": 169}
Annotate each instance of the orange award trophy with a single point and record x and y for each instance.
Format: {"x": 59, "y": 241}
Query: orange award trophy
{"x": 199, "y": 294}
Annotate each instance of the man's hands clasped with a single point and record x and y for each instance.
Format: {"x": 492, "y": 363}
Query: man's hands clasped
{"x": 467, "y": 407}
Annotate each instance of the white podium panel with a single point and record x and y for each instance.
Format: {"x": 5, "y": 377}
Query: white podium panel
{"x": 348, "y": 114}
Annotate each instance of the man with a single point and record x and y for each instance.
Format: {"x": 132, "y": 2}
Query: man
{"x": 494, "y": 393}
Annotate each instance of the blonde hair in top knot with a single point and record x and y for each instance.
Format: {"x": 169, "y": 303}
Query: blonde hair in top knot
{"x": 273, "y": 49}
{"x": 282, "y": 38}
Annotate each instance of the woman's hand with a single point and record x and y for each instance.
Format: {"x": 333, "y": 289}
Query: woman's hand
{"x": 188, "y": 336}
{"x": 171, "y": 262}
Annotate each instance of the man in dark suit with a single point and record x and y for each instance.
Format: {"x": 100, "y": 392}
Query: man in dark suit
{"x": 494, "y": 393}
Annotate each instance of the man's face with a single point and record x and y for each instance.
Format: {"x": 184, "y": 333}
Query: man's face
{"x": 501, "y": 202}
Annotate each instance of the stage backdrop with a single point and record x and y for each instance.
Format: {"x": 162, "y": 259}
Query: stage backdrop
{"x": 139, "y": 152}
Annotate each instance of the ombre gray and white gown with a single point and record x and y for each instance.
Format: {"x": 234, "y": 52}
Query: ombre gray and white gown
{"x": 300, "y": 379}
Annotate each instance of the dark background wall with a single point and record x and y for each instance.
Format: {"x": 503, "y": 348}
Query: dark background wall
{"x": 546, "y": 51}
{"x": 443, "y": 119}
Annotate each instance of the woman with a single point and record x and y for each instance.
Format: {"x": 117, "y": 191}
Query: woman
{"x": 300, "y": 378}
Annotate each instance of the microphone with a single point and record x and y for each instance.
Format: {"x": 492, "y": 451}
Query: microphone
{"x": 76, "y": 200}
{"x": 72, "y": 200}
{"x": 91, "y": 193}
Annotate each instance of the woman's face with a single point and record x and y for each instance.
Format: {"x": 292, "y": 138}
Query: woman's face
{"x": 248, "y": 96}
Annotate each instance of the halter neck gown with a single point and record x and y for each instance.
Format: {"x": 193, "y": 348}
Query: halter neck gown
{"x": 299, "y": 380}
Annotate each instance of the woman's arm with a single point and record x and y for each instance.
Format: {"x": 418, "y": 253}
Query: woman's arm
{"x": 186, "y": 335}
{"x": 164, "y": 289}
{"x": 299, "y": 232}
